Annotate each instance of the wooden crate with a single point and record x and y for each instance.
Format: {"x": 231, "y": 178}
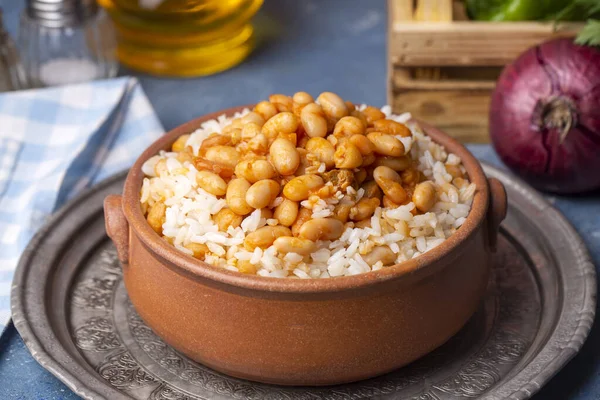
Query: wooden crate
{"x": 444, "y": 72}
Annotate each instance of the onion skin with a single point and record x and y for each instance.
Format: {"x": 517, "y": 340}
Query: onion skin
{"x": 545, "y": 117}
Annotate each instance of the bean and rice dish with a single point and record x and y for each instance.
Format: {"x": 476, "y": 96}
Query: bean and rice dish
{"x": 306, "y": 188}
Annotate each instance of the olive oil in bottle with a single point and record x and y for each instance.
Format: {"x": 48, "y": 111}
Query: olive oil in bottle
{"x": 182, "y": 37}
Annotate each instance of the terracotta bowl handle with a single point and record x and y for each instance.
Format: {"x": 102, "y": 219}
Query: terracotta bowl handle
{"x": 117, "y": 227}
{"x": 497, "y": 209}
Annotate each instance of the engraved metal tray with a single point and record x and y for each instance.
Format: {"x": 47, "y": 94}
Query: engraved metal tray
{"x": 71, "y": 308}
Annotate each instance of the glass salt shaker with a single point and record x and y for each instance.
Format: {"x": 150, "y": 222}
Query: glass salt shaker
{"x": 12, "y": 76}
{"x": 66, "y": 41}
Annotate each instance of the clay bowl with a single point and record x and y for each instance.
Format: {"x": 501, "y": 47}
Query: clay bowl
{"x": 305, "y": 332}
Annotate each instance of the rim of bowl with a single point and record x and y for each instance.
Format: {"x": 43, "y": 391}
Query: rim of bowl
{"x": 197, "y": 269}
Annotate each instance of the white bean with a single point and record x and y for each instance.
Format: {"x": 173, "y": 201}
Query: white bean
{"x": 284, "y": 156}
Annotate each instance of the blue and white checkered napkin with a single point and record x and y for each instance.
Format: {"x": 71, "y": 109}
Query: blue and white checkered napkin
{"x": 55, "y": 142}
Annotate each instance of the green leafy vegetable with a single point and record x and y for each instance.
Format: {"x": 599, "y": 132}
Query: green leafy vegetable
{"x": 581, "y": 10}
{"x": 590, "y": 34}
{"x": 515, "y": 10}
{"x": 578, "y": 10}
{"x": 548, "y": 10}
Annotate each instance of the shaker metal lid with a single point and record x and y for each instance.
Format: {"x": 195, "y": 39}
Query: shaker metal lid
{"x": 58, "y": 13}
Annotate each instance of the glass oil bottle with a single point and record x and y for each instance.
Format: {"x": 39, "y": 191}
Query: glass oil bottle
{"x": 182, "y": 37}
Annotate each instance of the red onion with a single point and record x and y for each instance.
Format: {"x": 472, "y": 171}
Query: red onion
{"x": 545, "y": 116}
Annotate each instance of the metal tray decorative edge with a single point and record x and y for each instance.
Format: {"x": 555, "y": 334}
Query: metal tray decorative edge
{"x": 71, "y": 308}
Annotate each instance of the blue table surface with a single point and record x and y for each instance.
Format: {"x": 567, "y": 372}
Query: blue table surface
{"x": 335, "y": 45}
